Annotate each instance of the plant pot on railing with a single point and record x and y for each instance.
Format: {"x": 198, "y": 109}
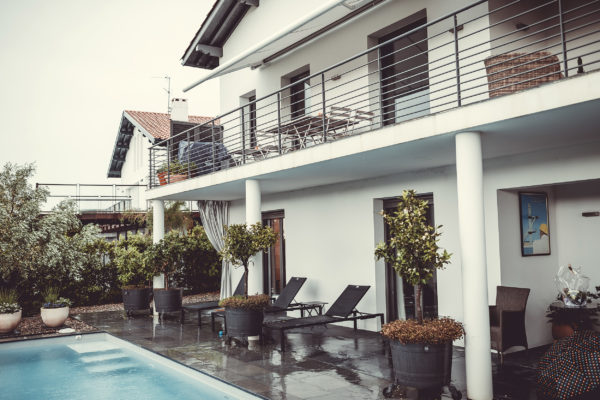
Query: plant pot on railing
{"x": 510, "y": 72}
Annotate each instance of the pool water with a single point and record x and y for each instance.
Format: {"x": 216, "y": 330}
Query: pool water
{"x": 100, "y": 366}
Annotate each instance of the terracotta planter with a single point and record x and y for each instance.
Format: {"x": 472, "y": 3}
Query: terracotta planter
{"x": 8, "y": 322}
{"x": 163, "y": 178}
{"x": 54, "y": 317}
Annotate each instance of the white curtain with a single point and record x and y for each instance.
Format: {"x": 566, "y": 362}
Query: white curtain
{"x": 215, "y": 217}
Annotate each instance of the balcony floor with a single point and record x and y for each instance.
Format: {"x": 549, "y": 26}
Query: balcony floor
{"x": 323, "y": 363}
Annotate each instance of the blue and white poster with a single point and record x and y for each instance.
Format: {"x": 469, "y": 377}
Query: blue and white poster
{"x": 535, "y": 229}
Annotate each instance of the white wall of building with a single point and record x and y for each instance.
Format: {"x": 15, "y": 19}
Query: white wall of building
{"x": 135, "y": 168}
{"x": 331, "y": 231}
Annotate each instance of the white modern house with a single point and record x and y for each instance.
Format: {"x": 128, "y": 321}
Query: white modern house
{"x": 330, "y": 109}
{"x": 138, "y": 131}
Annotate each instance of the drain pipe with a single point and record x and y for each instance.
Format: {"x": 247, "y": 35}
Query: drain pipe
{"x": 261, "y": 45}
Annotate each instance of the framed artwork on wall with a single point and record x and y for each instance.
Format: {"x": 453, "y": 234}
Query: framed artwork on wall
{"x": 535, "y": 227}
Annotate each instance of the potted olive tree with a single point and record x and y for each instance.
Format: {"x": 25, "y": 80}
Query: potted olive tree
{"x": 165, "y": 257}
{"x": 134, "y": 273}
{"x": 10, "y": 310}
{"x": 244, "y": 314}
{"x": 421, "y": 349}
{"x": 55, "y": 309}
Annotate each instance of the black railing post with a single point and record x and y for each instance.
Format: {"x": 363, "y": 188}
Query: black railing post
{"x": 213, "y": 144}
{"x": 168, "y": 161}
{"x": 456, "y": 60}
{"x": 188, "y": 154}
{"x": 324, "y": 107}
{"x": 563, "y": 40}
{"x": 279, "y": 122}
{"x": 243, "y": 149}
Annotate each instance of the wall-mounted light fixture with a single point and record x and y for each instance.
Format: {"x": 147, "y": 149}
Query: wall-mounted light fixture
{"x": 590, "y": 214}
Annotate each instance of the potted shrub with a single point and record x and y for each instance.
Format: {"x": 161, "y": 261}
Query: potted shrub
{"x": 55, "y": 310}
{"x": 10, "y": 310}
{"x": 165, "y": 258}
{"x": 174, "y": 172}
{"x": 421, "y": 349}
{"x": 134, "y": 273}
{"x": 244, "y": 314}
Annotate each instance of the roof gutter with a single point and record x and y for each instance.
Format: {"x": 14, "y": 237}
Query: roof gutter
{"x": 259, "y": 46}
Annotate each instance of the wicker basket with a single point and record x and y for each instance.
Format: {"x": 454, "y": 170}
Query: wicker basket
{"x": 511, "y": 72}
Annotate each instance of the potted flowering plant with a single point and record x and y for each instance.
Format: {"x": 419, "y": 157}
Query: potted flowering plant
{"x": 55, "y": 309}
{"x": 421, "y": 349}
{"x": 10, "y": 310}
{"x": 174, "y": 171}
{"x": 244, "y": 314}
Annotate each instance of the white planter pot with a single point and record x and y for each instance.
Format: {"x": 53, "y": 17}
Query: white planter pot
{"x": 8, "y": 322}
{"x": 54, "y": 317}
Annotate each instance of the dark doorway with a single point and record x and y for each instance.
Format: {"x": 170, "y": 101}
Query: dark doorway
{"x": 298, "y": 94}
{"x": 274, "y": 260}
{"x": 404, "y": 74}
{"x": 399, "y": 295}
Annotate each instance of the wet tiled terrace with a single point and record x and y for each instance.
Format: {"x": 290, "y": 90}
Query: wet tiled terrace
{"x": 319, "y": 363}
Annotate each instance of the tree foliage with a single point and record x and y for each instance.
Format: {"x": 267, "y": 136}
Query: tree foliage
{"x": 412, "y": 249}
{"x": 132, "y": 264}
{"x": 241, "y": 242}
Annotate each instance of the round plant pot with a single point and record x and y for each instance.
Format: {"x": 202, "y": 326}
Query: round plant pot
{"x": 167, "y": 300}
{"x": 422, "y": 366}
{"x": 243, "y": 323}
{"x": 8, "y": 322}
{"x": 136, "y": 299}
{"x": 54, "y": 317}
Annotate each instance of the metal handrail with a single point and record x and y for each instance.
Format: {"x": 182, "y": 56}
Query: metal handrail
{"x": 429, "y": 74}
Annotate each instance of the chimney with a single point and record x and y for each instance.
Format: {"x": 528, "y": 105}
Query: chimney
{"x": 179, "y": 110}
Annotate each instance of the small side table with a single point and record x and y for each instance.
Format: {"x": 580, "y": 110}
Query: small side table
{"x": 566, "y": 319}
{"x": 312, "y": 306}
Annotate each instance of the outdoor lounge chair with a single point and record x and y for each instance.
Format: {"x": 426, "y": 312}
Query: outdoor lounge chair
{"x": 343, "y": 309}
{"x": 285, "y": 301}
{"x": 210, "y": 305}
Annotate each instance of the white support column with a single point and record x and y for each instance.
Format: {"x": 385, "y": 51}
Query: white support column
{"x": 253, "y": 215}
{"x": 469, "y": 182}
{"x": 158, "y": 232}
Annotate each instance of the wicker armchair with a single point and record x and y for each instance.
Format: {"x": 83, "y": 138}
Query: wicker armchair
{"x": 507, "y": 319}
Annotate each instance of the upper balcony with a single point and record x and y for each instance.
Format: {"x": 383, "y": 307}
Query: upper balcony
{"x": 480, "y": 52}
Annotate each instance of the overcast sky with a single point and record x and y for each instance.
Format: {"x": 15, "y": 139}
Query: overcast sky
{"x": 70, "y": 67}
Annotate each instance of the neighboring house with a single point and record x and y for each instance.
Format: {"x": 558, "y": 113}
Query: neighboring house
{"x": 138, "y": 130}
{"x": 330, "y": 110}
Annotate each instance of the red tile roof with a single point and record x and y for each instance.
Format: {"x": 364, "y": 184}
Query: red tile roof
{"x": 158, "y": 124}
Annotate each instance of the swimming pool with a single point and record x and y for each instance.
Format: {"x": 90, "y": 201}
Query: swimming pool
{"x": 100, "y": 366}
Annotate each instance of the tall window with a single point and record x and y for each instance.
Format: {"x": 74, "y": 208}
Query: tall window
{"x": 400, "y": 296}
{"x": 274, "y": 260}
{"x": 404, "y": 74}
{"x": 298, "y": 92}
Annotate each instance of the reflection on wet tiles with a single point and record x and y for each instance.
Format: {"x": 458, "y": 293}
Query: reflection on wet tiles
{"x": 320, "y": 364}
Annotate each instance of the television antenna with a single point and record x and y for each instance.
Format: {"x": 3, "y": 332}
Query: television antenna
{"x": 168, "y": 90}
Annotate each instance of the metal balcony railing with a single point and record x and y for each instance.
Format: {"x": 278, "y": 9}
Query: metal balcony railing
{"x": 96, "y": 198}
{"x": 484, "y": 50}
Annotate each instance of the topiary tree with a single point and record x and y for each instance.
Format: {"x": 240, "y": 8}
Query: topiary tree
{"x": 134, "y": 270}
{"x": 412, "y": 250}
{"x": 165, "y": 257}
{"x": 241, "y": 242}
{"x": 201, "y": 266}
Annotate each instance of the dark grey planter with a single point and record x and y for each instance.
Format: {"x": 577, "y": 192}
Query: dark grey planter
{"x": 242, "y": 323}
{"x": 136, "y": 299}
{"x": 167, "y": 300}
{"x": 422, "y": 366}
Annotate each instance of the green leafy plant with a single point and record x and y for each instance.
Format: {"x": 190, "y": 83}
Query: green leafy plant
{"x": 165, "y": 256}
{"x": 52, "y": 299}
{"x": 241, "y": 242}
{"x": 133, "y": 266}
{"x": 9, "y": 301}
{"x": 175, "y": 168}
{"x": 256, "y": 302}
{"x": 413, "y": 252}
